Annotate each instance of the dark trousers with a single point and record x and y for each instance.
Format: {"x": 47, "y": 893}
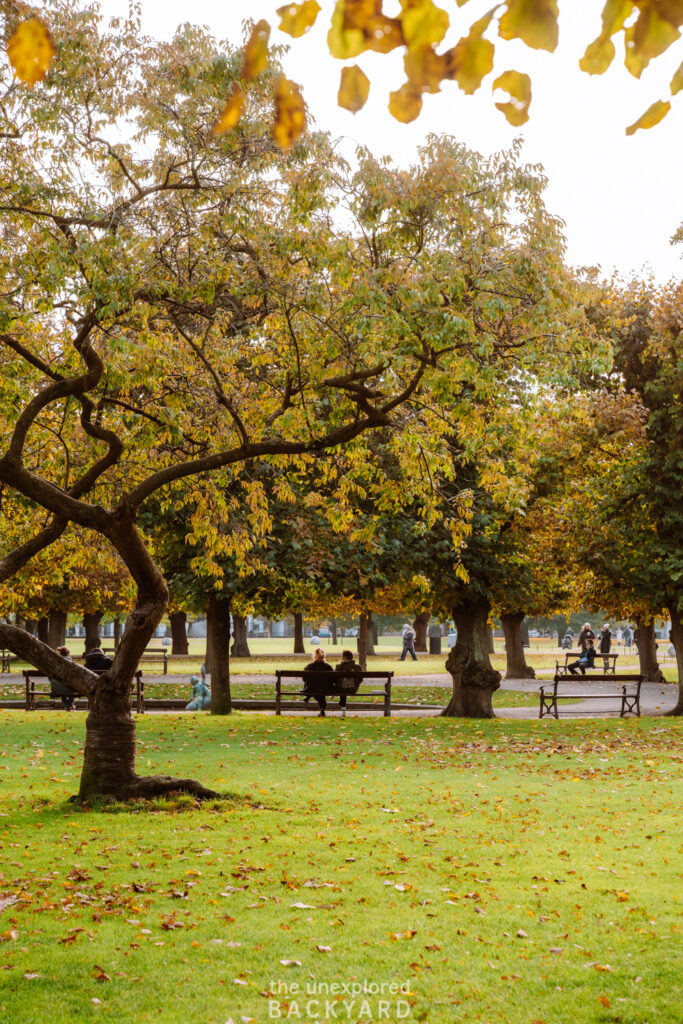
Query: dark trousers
{"x": 406, "y": 650}
{"x": 581, "y": 665}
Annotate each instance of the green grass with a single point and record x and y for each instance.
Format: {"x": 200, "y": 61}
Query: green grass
{"x": 505, "y": 872}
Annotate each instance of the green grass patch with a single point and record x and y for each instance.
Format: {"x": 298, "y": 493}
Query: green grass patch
{"x": 499, "y": 872}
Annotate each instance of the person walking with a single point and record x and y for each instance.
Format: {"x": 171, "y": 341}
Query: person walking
{"x": 620, "y": 636}
{"x": 319, "y": 664}
{"x": 585, "y": 635}
{"x": 605, "y": 643}
{"x": 347, "y": 669}
{"x": 408, "y": 642}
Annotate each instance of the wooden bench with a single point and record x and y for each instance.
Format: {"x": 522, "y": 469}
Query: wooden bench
{"x": 629, "y": 695}
{"x": 36, "y": 681}
{"x": 150, "y": 654}
{"x": 327, "y": 684}
{"x": 572, "y": 656}
{"x": 7, "y": 658}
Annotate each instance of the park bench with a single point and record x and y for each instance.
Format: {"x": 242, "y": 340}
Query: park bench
{"x": 628, "y": 695}
{"x": 572, "y": 656}
{"x": 38, "y": 688}
{"x": 7, "y": 658}
{"x": 331, "y": 684}
{"x": 159, "y": 654}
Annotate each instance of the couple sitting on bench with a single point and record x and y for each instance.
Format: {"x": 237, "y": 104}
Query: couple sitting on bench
{"x": 343, "y": 681}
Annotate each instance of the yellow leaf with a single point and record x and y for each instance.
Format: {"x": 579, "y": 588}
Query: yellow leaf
{"x": 30, "y": 51}
{"x": 255, "y": 53}
{"x": 344, "y": 41}
{"x": 598, "y": 56}
{"x": 384, "y": 34}
{"x": 652, "y": 116}
{"x": 423, "y": 23}
{"x": 472, "y": 57}
{"x": 231, "y": 112}
{"x": 614, "y": 14}
{"x": 426, "y": 69}
{"x": 298, "y": 18}
{"x": 677, "y": 81}
{"x": 290, "y": 113}
{"x": 648, "y": 37}
{"x": 604, "y": 1001}
{"x": 405, "y": 103}
{"x": 518, "y": 86}
{"x": 533, "y": 21}
{"x": 353, "y": 89}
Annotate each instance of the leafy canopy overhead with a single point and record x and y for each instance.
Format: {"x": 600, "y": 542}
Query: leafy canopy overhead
{"x": 646, "y": 27}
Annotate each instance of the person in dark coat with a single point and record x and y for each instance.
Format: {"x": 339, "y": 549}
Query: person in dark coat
{"x": 318, "y": 665}
{"x": 97, "y": 661}
{"x": 585, "y": 635}
{"x": 61, "y": 690}
{"x": 586, "y": 660}
{"x": 605, "y": 642}
{"x": 348, "y": 669}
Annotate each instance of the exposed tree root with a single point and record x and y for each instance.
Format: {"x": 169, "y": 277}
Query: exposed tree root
{"x": 147, "y": 787}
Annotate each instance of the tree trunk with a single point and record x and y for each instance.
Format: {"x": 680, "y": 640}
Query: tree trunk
{"x": 299, "y": 647}
{"x": 647, "y": 653}
{"x": 421, "y": 625}
{"x": 334, "y": 628}
{"x": 369, "y": 635}
{"x": 218, "y": 650}
{"x": 44, "y": 630}
{"x": 489, "y": 637}
{"x": 178, "y": 621}
{"x": 677, "y": 641}
{"x": 32, "y": 626}
{"x": 57, "y": 629}
{"x": 363, "y": 640}
{"x": 517, "y": 667}
{"x": 474, "y": 680}
{"x": 240, "y": 647}
{"x": 91, "y": 625}
{"x": 117, "y": 633}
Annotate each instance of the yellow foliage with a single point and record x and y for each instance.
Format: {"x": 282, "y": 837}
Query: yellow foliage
{"x": 353, "y": 89}
{"x": 677, "y": 80}
{"x": 30, "y": 51}
{"x": 533, "y": 21}
{"x": 652, "y": 116}
{"x": 472, "y": 57}
{"x": 423, "y": 23}
{"x": 255, "y": 54}
{"x": 296, "y": 19}
{"x": 405, "y": 103}
{"x": 231, "y": 112}
{"x": 648, "y": 37}
{"x": 598, "y": 56}
{"x": 290, "y": 113}
{"x": 518, "y": 86}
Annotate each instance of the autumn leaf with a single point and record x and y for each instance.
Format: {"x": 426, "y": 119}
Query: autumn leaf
{"x": 604, "y": 1001}
{"x": 472, "y": 57}
{"x": 296, "y": 19}
{"x": 647, "y": 38}
{"x": 533, "y": 21}
{"x": 518, "y": 86}
{"x": 354, "y": 88}
{"x": 652, "y": 116}
{"x": 255, "y": 53}
{"x": 30, "y": 51}
{"x": 677, "y": 80}
{"x": 410, "y": 933}
{"x": 231, "y": 112}
{"x": 424, "y": 23}
{"x": 598, "y": 56}
{"x": 405, "y": 103}
{"x": 290, "y": 113}
{"x": 344, "y": 41}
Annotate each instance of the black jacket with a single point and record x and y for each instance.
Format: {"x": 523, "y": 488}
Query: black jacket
{"x": 97, "y": 662}
{"x": 605, "y": 641}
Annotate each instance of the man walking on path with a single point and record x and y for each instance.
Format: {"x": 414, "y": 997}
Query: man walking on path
{"x": 408, "y": 642}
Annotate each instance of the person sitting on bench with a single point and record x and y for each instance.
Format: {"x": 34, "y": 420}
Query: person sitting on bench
{"x": 318, "y": 665}
{"x": 586, "y": 660}
{"x": 61, "y": 690}
{"x": 97, "y": 661}
{"x": 347, "y": 668}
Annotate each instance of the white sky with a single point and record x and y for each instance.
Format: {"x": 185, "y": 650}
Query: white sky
{"x": 620, "y": 197}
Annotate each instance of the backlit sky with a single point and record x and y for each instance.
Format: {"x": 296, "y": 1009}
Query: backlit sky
{"x": 621, "y": 197}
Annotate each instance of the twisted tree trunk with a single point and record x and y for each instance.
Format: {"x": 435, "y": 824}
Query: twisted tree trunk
{"x": 240, "y": 647}
{"x": 517, "y": 667}
{"x": 677, "y": 641}
{"x": 178, "y": 621}
{"x": 474, "y": 680}
{"x": 647, "y": 652}
{"x": 299, "y": 647}
{"x": 420, "y": 625}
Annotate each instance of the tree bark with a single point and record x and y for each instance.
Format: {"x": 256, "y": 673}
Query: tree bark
{"x": 240, "y": 647}
{"x": 489, "y": 637}
{"x": 421, "y": 625}
{"x": 44, "y": 630}
{"x": 218, "y": 648}
{"x": 178, "y": 621}
{"x": 117, "y": 633}
{"x": 299, "y": 647}
{"x": 57, "y": 628}
{"x": 363, "y": 640}
{"x": 369, "y": 635}
{"x": 334, "y": 628}
{"x": 647, "y": 652}
{"x": 91, "y": 625}
{"x": 517, "y": 667}
{"x": 474, "y": 680}
{"x": 677, "y": 641}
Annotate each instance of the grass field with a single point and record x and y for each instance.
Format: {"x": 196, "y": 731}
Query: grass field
{"x": 495, "y": 872}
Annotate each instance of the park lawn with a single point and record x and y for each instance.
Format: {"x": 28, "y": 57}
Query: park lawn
{"x": 512, "y": 872}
